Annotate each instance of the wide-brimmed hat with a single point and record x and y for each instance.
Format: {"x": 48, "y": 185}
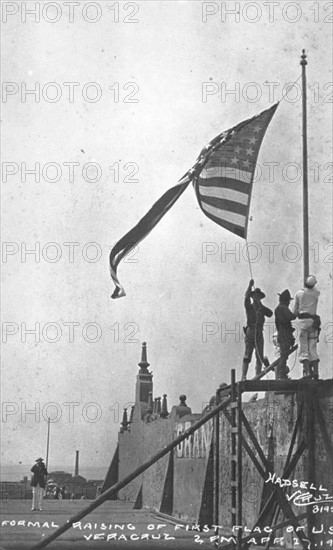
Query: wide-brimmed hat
{"x": 285, "y": 295}
{"x": 40, "y": 459}
{"x": 258, "y": 293}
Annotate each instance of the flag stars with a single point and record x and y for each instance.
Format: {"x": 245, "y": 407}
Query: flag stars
{"x": 246, "y": 163}
{"x": 253, "y": 140}
{"x": 257, "y": 129}
{"x": 234, "y": 160}
{"x": 250, "y": 151}
{"x": 238, "y": 150}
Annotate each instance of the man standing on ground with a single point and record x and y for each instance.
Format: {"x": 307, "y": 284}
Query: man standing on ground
{"x": 306, "y": 301}
{"x": 283, "y": 318}
{"x": 255, "y": 319}
{"x": 38, "y": 483}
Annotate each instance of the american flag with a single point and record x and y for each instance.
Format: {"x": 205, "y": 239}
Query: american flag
{"x": 222, "y": 176}
{"x": 224, "y": 185}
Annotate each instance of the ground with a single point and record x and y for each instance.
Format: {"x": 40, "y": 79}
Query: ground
{"x": 129, "y": 522}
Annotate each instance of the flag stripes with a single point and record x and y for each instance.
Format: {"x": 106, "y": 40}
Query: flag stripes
{"x": 224, "y": 185}
{"x": 236, "y": 185}
{"x": 224, "y": 194}
{"x": 229, "y": 173}
{"x": 229, "y": 216}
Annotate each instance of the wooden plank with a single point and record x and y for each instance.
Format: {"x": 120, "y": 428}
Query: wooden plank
{"x": 279, "y": 385}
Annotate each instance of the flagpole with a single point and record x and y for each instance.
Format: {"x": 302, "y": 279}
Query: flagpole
{"x": 305, "y": 170}
{"x": 48, "y": 442}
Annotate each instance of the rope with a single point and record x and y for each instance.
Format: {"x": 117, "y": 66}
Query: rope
{"x": 248, "y": 257}
{"x": 289, "y": 88}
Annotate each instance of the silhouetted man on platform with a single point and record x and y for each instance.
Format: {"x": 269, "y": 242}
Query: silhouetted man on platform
{"x": 285, "y": 337}
{"x": 255, "y": 319}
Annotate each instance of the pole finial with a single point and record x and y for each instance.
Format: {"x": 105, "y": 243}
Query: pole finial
{"x": 303, "y": 58}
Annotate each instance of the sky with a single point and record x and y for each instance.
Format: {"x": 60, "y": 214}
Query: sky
{"x": 126, "y": 95}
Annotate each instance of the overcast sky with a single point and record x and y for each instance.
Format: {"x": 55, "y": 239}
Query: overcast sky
{"x": 141, "y": 88}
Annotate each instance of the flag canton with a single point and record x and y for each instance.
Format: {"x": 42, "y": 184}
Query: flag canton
{"x": 224, "y": 184}
{"x": 241, "y": 150}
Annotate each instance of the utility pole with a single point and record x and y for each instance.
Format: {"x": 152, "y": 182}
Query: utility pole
{"x": 48, "y": 442}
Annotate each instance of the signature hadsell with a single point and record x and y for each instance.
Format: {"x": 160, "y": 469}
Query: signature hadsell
{"x": 305, "y": 493}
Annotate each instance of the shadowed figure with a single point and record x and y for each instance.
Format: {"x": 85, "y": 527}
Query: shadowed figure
{"x": 255, "y": 319}
{"x": 38, "y": 482}
{"x": 285, "y": 337}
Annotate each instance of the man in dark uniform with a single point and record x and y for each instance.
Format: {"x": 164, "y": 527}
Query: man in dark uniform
{"x": 38, "y": 483}
{"x": 255, "y": 319}
{"x": 283, "y": 318}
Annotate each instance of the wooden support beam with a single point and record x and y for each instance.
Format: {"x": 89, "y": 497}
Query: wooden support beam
{"x": 263, "y": 472}
{"x": 287, "y": 471}
{"x": 248, "y": 449}
{"x": 295, "y": 431}
{"x": 280, "y": 496}
{"x": 310, "y": 405}
{"x": 288, "y": 468}
{"x": 291, "y": 386}
{"x": 324, "y": 433}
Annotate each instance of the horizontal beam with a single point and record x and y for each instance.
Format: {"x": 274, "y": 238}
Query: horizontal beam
{"x": 280, "y": 385}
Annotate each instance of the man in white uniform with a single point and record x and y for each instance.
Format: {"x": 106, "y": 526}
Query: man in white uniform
{"x": 306, "y": 301}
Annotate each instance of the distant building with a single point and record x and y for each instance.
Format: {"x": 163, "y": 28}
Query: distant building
{"x": 75, "y": 485}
